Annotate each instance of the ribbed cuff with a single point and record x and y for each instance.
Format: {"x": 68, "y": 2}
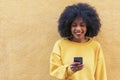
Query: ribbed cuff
{"x": 70, "y": 72}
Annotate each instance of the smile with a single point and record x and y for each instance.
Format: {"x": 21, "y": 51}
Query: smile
{"x": 78, "y": 33}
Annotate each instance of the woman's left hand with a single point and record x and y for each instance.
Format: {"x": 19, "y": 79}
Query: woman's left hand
{"x": 76, "y": 66}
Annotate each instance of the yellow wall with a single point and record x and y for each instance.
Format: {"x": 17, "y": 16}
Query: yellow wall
{"x": 28, "y": 30}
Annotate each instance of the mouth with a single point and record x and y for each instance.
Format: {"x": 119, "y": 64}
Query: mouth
{"x": 78, "y": 34}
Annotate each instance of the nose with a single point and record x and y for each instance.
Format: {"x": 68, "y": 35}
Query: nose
{"x": 78, "y": 28}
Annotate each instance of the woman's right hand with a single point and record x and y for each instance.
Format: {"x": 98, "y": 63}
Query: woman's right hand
{"x": 76, "y": 66}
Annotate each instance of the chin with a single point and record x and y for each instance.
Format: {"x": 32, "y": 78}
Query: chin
{"x": 79, "y": 38}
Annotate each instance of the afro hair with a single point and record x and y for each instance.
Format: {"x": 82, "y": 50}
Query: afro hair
{"x": 80, "y": 10}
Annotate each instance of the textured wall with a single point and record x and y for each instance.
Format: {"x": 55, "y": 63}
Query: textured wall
{"x": 28, "y": 30}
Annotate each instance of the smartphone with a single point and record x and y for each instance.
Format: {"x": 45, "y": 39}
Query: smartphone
{"x": 78, "y": 59}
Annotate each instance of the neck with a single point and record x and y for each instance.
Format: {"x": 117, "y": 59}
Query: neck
{"x": 81, "y": 40}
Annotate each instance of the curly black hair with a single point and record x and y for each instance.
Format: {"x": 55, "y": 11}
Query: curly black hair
{"x": 80, "y": 10}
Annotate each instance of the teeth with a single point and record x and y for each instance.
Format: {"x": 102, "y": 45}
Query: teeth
{"x": 78, "y": 33}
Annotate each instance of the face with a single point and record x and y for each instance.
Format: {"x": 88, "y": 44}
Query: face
{"x": 78, "y": 30}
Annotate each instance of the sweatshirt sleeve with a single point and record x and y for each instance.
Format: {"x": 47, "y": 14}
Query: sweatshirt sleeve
{"x": 100, "y": 73}
{"x": 57, "y": 69}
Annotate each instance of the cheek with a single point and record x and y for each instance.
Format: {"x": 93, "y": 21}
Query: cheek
{"x": 72, "y": 29}
{"x": 85, "y": 29}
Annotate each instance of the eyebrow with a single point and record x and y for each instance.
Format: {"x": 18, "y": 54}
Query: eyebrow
{"x": 80, "y": 23}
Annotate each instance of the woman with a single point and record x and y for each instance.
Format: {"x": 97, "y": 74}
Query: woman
{"x": 78, "y": 24}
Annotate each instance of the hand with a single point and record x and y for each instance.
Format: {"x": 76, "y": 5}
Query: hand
{"x": 76, "y": 66}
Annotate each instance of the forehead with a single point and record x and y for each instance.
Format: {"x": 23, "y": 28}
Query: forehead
{"x": 76, "y": 20}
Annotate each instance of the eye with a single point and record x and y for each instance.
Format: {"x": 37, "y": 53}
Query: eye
{"x": 73, "y": 25}
{"x": 82, "y": 24}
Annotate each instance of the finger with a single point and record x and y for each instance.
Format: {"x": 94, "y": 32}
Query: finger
{"x": 80, "y": 65}
{"x": 74, "y": 69}
{"x": 73, "y": 64}
{"x": 76, "y": 62}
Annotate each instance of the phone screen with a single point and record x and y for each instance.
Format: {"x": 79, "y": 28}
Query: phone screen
{"x": 78, "y": 59}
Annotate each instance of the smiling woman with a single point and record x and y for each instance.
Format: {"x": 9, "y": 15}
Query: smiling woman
{"x": 78, "y": 24}
{"x": 78, "y": 30}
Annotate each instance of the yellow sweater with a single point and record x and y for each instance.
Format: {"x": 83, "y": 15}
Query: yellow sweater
{"x": 93, "y": 60}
